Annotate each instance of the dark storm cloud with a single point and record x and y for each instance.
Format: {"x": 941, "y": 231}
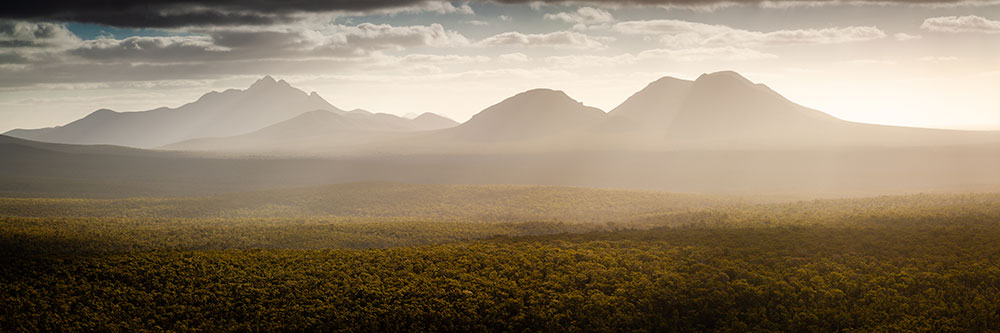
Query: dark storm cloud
{"x": 706, "y": 2}
{"x": 248, "y": 43}
{"x": 180, "y": 13}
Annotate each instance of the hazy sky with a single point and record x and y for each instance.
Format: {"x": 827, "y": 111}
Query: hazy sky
{"x": 918, "y": 63}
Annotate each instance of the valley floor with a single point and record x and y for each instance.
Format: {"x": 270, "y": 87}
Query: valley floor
{"x": 381, "y": 256}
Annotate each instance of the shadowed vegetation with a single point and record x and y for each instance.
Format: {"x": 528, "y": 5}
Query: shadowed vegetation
{"x": 481, "y": 258}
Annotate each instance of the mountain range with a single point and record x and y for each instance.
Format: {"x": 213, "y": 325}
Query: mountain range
{"x": 719, "y": 133}
{"x": 721, "y": 110}
{"x": 269, "y": 108}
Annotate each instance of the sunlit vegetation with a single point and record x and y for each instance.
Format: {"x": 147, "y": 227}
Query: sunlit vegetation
{"x": 529, "y": 259}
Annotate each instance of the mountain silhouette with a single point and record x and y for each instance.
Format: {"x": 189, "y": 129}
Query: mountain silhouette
{"x": 215, "y": 114}
{"x": 726, "y": 106}
{"x": 533, "y": 114}
{"x": 431, "y": 121}
{"x": 655, "y": 105}
{"x": 721, "y": 110}
{"x": 319, "y": 130}
{"x": 726, "y": 110}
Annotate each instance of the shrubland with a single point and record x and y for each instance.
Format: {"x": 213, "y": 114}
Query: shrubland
{"x": 363, "y": 257}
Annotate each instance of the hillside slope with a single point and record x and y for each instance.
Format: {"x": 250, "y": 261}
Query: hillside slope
{"x": 215, "y": 114}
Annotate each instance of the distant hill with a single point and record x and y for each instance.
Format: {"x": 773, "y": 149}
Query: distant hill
{"x": 269, "y": 112}
{"x": 319, "y": 130}
{"x": 725, "y": 110}
{"x": 721, "y": 110}
{"x": 431, "y": 121}
{"x": 215, "y": 114}
{"x": 654, "y": 106}
{"x": 531, "y": 115}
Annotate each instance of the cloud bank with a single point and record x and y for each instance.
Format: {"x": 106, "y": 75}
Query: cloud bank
{"x": 185, "y": 13}
{"x": 680, "y": 34}
{"x": 956, "y": 24}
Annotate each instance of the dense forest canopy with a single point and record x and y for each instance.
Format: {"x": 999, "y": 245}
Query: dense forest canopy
{"x": 576, "y": 259}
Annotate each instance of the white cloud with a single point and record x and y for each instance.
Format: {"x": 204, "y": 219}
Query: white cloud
{"x": 707, "y": 7}
{"x": 958, "y": 4}
{"x": 559, "y": 39}
{"x": 23, "y": 43}
{"x": 443, "y": 59}
{"x": 727, "y": 53}
{"x": 685, "y": 55}
{"x": 576, "y": 61}
{"x": 477, "y": 22}
{"x": 583, "y": 15}
{"x": 937, "y": 59}
{"x": 513, "y": 57}
{"x": 13, "y": 68}
{"x": 968, "y": 23}
{"x": 702, "y": 8}
{"x": 505, "y": 18}
{"x": 439, "y": 7}
{"x": 152, "y": 49}
{"x": 905, "y": 36}
{"x": 683, "y": 34}
{"x": 20, "y": 34}
{"x": 382, "y": 35}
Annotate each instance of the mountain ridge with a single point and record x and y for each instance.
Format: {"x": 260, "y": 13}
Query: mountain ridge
{"x": 318, "y": 129}
{"x": 533, "y": 114}
{"x": 225, "y": 113}
{"x": 715, "y": 110}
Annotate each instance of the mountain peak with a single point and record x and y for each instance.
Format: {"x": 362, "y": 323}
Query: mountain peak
{"x": 101, "y": 113}
{"x": 666, "y": 80}
{"x": 542, "y": 93}
{"x": 724, "y": 76}
{"x": 428, "y": 115}
{"x": 530, "y": 114}
{"x": 268, "y": 81}
{"x": 655, "y": 104}
{"x": 432, "y": 121}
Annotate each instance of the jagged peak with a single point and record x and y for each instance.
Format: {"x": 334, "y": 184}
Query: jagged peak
{"x": 268, "y": 81}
